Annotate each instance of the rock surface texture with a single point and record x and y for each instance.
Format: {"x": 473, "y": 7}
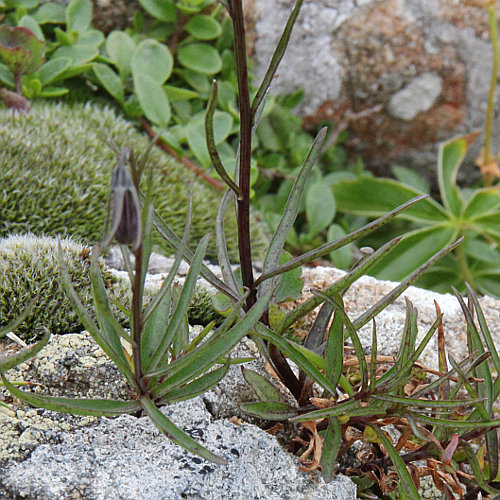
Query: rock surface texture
{"x": 48, "y": 456}
{"x": 425, "y": 63}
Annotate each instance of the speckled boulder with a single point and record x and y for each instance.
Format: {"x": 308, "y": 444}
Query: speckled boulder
{"x": 425, "y": 63}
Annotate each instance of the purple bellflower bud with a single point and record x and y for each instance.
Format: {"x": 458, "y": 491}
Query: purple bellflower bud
{"x": 126, "y": 210}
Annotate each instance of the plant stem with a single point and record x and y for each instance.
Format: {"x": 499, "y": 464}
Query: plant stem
{"x": 137, "y": 320}
{"x": 244, "y": 243}
{"x": 464, "y": 266}
{"x": 493, "y": 85}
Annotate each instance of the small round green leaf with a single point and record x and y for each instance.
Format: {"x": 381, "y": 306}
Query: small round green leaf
{"x": 110, "y": 81}
{"x": 52, "y": 69}
{"x": 320, "y": 207}
{"x": 120, "y": 46}
{"x": 153, "y": 100}
{"x": 30, "y": 23}
{"x": 200, "y": 57}
{"x": 152, "y": 59}
{"x": 79, "y": 54}
{"x": 203, "y": 27}
{"x": 50, "y": 13}
{"x": 78, "y": 15}
{"x": 164, "y": 10}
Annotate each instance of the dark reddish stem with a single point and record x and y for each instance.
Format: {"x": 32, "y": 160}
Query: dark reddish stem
{"x": 244, "y": 243}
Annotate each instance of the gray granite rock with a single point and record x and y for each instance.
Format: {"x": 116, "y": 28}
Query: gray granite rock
{"x": 355, "y": 55}
{"x": 126, "y": 458}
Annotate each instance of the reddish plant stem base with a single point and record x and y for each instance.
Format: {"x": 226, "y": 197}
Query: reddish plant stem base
{"x": 189, "y": 164}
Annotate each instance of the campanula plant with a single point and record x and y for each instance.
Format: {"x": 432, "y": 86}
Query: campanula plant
{"x": 165, "y": 365}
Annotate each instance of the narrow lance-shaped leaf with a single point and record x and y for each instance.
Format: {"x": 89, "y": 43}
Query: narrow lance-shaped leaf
{"x": 198, "y": 386}
{"x": 331, "y": 447}
{"x": 187, "y": 293}
{"x": 199, "y": 360}
{"x": 334, "y": 245}
{"x": 222, "y": 253}
{"x": 397, "y": 291}
{"x": 406, "y": 480}
{"x": 291, "y": 209}
{"x": 338, "y": 304}
{"x": 85, "y": 407}
{"x": 277, "y": 56}
{"x": 269, "y": 410}
{"x": 344, "y": 282}
{"x": 174, "y": 240}
{"x": 165, "y": 426}
{"x": 8, "y": 362}
{"x": 263, "y": 388}
{"x": 211, "y": 146}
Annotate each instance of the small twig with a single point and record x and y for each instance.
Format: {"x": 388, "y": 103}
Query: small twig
{"x": 197, "y": 170}
{"x": 347, "y": 119}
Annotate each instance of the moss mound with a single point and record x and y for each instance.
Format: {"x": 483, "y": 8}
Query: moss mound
{"x": 55, "y": 170}
{"x": 29, "y": 266}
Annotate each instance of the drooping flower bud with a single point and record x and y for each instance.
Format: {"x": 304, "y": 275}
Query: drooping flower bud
{"x": 126, "y": 210}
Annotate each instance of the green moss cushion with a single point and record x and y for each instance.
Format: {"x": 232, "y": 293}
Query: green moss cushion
{"x": 55, "y": 169}
{"x": 29, "y": 267}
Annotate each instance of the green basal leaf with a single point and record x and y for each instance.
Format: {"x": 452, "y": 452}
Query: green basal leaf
{"x": 119, "y": 46}
{"x": 427, "y": 403}
{"x": 176, "y": 94}
{"x": 478, "y": 473}
{"x": 460, "y": 425}
{"x": 268, "y": 410}
{"x": 299, "y": 355}
{"x": 198, "y": 386}
{"x": 91, "y": 37}
{"x": 85, "y": 407}
{"x": 52, "y": 69}
{"x": 110, "y": 81}
{"x": 153, "y": 100}
{"x": 320, "y": 207}
{"x": 188, "y": 289}
{"x": 165, "y": 426}
{"x": 30, "y": 23}
{"x": 398, "y": 290}
{"x": 6, "y": 76}
{"x": 152, "y": 59}
{"x": 78, "y": 15}
{"x": 341, "y": 284}
{"x": 334, "y": 355}
{"x": 163, "y": 10}
{"x": 451, "y": 154}
{"x": 331, "y": 448}
{"x": 334, "y": 245}
{"x": 8, "y": 362}
{"x": 50, "y": 13}
{"x": 79, "y": 55}
{"x": 375, "y": 197}
{"x": 407, "y": 483}
{"x": 340, "y": 409}
{"x": 219, "y": 344}
{"x": 264, "y": 390}
{"x": 203, "y": 27}
{"x": 200, "y": 57}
